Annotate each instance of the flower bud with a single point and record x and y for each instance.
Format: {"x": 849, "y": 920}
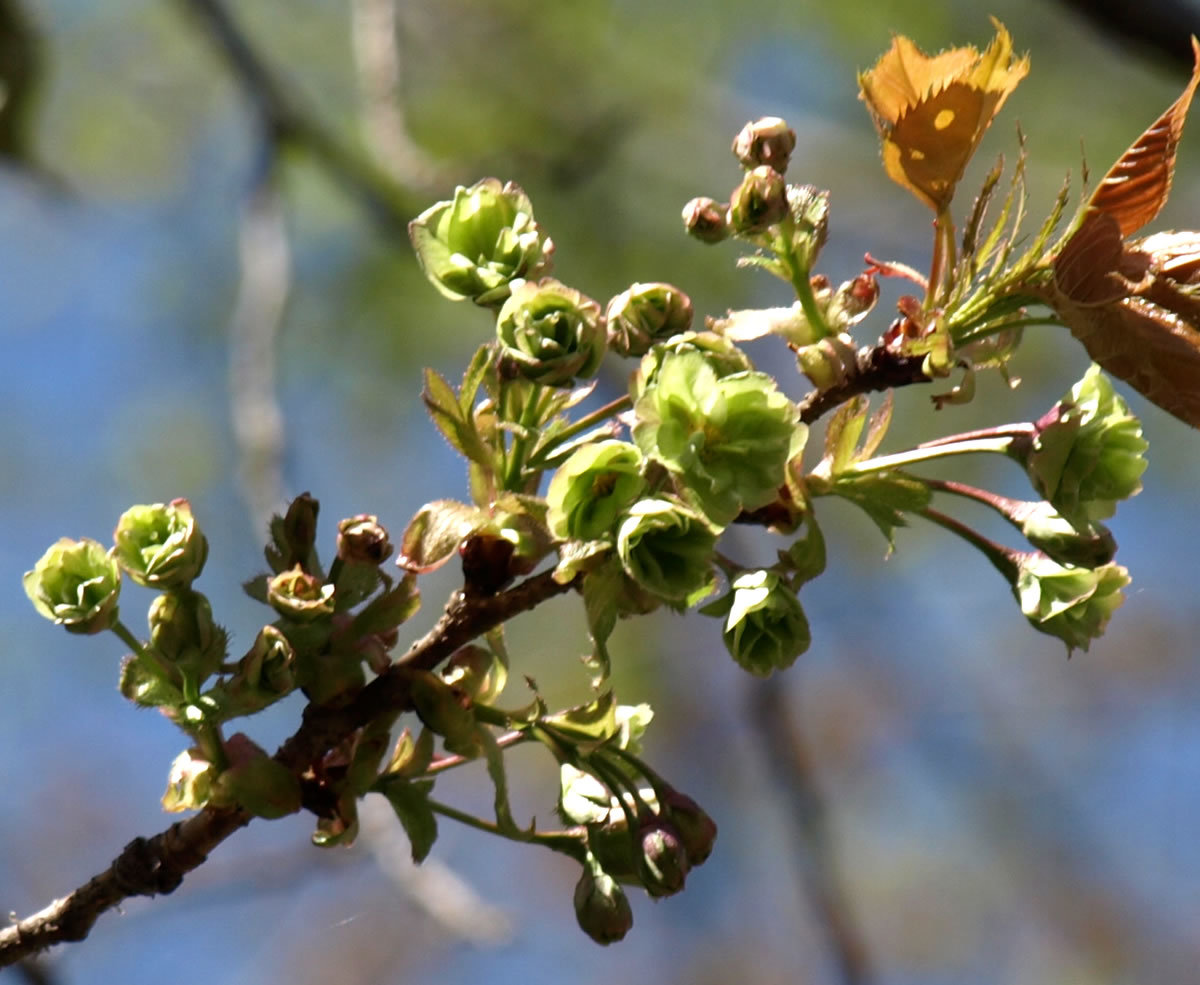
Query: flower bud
{"x": 592, "y": 489}
{"x": 1071, "y": 603}
{"x": 758, "y": 202}
{"x": 160, "y": 546}
{"x": 478, "y": 244}
{"x": 299, "y": 596}
{"x": 264, "y": 675}
{"x": 299, "y": 530}
{"x": 189, "y": 783}
{"x": 255, "y": 782}
{"x": 1088, "y": 451}
{"x": 664, "y": 859}
{"x": 601, "y": 906}
{"x": 183, "y": 633}
{"x": 477, "y": 672}
{"x": 362, "y": 539}
{"x": 75, "y": 584}
{"x": 765, "y": 626}
{"x": 644, "y": 314}
{"x": 666, "y": 548}
{"x": 697, "y": 831}
{"x": 768, "y": 141}
{"x": 706, "y": 220}
{"x": 550, "y": 333}
{"x": 1054, "y": 535}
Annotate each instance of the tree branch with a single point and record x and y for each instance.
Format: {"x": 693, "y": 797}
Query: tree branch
{"x": 156, "y": 866}
{"x": 876, "y": 368}
{"x": 793, "y": 771}
{"x": 387, "y": 201}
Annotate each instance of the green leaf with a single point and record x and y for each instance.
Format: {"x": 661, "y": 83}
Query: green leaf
{"x": 433, "y": 535}
{"x": 410, "y": 758}
{"x": 355, "y": 584}
{"x": 494, "y": 756}
{"x": 410, "y": 801}
{"x": 877, "y": 428}
{"x": 602, "y": 592}
{"x": 596, "y": 721}
{"x": 805, "y": 557}
{"x": 457, "y": 424}
{"x": 479, "y": 365}
{"x": 842, "y": 434}
{"x": 389, "y": 610}
{"x": 256, "y": 588}
{"x": 884, "y": 498}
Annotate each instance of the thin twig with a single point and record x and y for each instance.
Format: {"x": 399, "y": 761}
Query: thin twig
{"x": 254, "y": 326}
{"x": 793, "y": 773}
{"x": 389, "y": 203}
{"x": 876, "y": 368}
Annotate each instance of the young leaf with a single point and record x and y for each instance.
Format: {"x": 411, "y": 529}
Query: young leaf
{"x": 389, "y": 610}
{"x": 495, "y": 767}
{"x": 410, "y": 801}
{"x": 885, "y": 499}
{"x": 433, "y": 535}
{"x": 1136, "y": 187}
{"x": 842, "y": 434}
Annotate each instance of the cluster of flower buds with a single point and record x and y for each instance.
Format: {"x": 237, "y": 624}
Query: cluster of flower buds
{"x": 650, "y": 836}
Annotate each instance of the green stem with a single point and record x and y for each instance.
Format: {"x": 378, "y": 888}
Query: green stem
{"x": 564, "y": 842}
{"x": 798, "y": 275}
{"x": 450, "y": 762}
{"x": 530, "y": 414}
{"x": 929, "y": 453}
{"x": 542, "y": 453}
{"x": 169, "y": 671}
{"x": 942, "y": 262}
{"x": 1000, "y": 556}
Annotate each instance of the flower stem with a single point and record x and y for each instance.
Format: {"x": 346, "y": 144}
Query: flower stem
{"x": 541, "y": 454}
{"x": 930, "y": 452}
{"x": 564, "y": 842}
{"x": 1000, "y": 556}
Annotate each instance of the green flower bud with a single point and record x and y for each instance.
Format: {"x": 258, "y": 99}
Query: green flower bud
{"x": 1054, "y": 535}
{"x": 299, "y": 596}
{"x": 721, "y": 353}
{"x": 160, "y": 546}
{"x": 75, "y": 584}
{"x": 362, "y": 539}
{"x": 706, "y": 220}
{"x": 1088, "y": 451}
{"x": 264, "y": 675}
{"x": 1073, "y": 604}
{"x": 183, "y": 633}
{"x": 644, "y": 314}
{"x": 725, "y": 438}
{"x": 551, "y": 333}
{"x": 601, "y": 906}
{"x": 189, "y": 783}
{"x": 697, "y": 831}
{"x": 664, "y": 860}
{"x": 765, "y": 627}
{"x": 477, "y": 672}
{"x": 758, "y": 202}
{"x": 768, "y": 141}
{"x": 592, "y": 488}
{"x": 255, "y": 782}
{"x": 478, "y": 244}
{"x": 666, "y": 548}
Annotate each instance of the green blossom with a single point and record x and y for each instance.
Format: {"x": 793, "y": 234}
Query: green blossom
{"x": 160, "y": 546}
{"x": 299, "y": 596}
{"x": 725, "y": 438}
{"x": 592, "y": 488}
{"x": 721, "y": 353}
{"x": 667, "y": 549}
{"x": 76, "y": 584}
{"x": 765, "y": 626}
{"x": 1071, "y": 603}
{"x": 476, "y": 245}
{"x": 643, "y": 314}
{"x": 1056, "y": 536}
{"x": 551, "y": 333}
{"x": 759, "y": 202}
{"x": 1088, "y": 451}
